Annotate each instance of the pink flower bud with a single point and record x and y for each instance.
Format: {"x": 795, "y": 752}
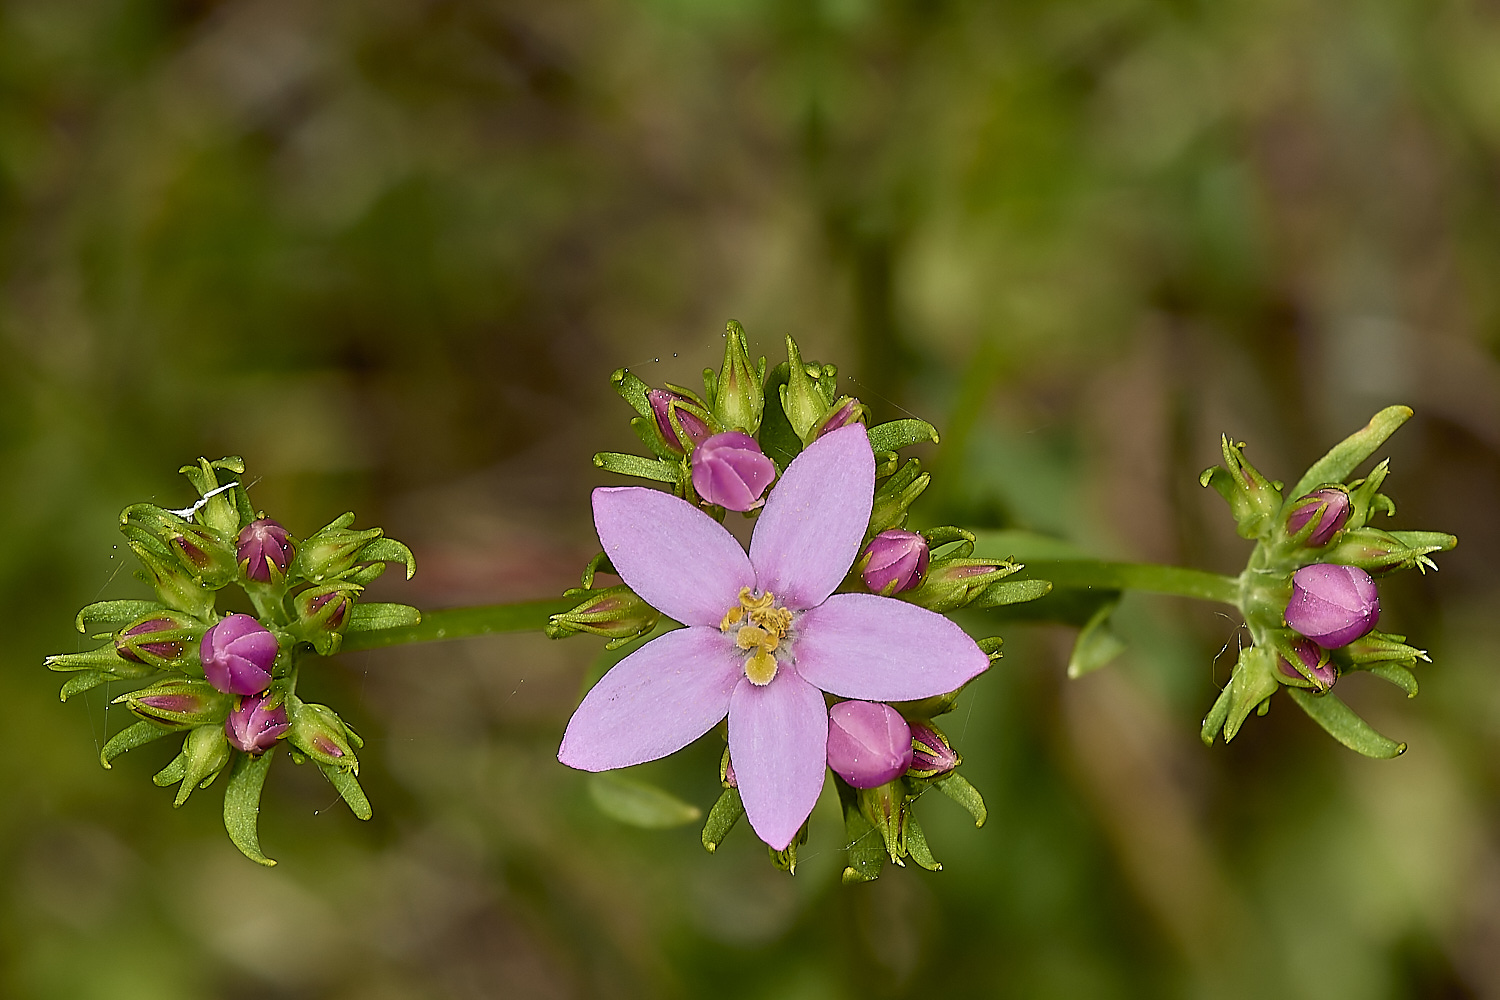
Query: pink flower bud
{"x": 262, "y": 545}
{"x": 1332, "y": 502}
{"x": 897, "y": 561}
{"x": 253, "y": 728}
{"x": 335, "y": 616}
{"x": 1332, "y": 605}
{"x": 165, "y": 650}
{"x": 238, "y": 654}
{"x": 661, "y": 401}
{"x": 1316, "y": 661}
{"x": 730, "y": 470}
{"x": 850, "y": 412}
{"x": 931, "y": 753}
{"x": 869, "y": 743}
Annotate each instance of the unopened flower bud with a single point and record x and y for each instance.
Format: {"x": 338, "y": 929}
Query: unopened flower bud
{"x": 950, "y": 584}
{"x": 730, "y": 470}
{"x": 884, "y": 806}
{"x": 894, "y": 561}
{"x": 205, "y": 553}
{"x": 728, "y": 777}
{"x": 264, "y": 551}
{"x": 694, "y": 428}
{"x": 254, "y": 728}
{"x": 1316, "y": 666}
{"x": 163, "y": 639}
{"x": 238, "y": 654}
{"x": 617, "y": 613}
{"x": 869, "y": 743}
{"x": 846, "y": 411}
{"x": 932, "y": 754}
{"x": 1327, "y": 508}
{"x": 1332, "y": 605}
{"x": 738, "y": 396}
{"x": 182, "y": 702}
{"x": 318, "y": 732}
{"x": 332, "y": 549}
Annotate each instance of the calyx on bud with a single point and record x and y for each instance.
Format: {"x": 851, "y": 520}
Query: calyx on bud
{"x": 1314, "y": 519}
{"x": 737, "y": 394}
{"x": 163, "y": 639}
{"x": 178, "y": 702}
{"x": 617, "y": 613}
{"x": 264, "y": 550}
{"x": 332, "y": 549}
{"x": 318, "y": 732}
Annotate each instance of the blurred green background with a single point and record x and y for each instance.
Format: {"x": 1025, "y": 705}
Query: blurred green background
{"x": 391, "y": 250}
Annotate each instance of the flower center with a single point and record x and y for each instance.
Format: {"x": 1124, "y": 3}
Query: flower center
{"x": 759, "y": 625}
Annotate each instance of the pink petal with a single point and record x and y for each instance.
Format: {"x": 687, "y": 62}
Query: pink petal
{"x": 882, "y": 649}
{"x": 778, "y": 740}
{"x": 678, "y": 559}
{"x": 655, "y": 701}
{"x": 813, "y": 522}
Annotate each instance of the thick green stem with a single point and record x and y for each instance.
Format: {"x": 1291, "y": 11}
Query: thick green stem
{"x": 461, "y": 623}
{"x": 1093, "y": 574}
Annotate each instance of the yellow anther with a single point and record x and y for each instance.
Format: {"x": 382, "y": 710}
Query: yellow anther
{"x": 761, "y": 626}
{"x": 761, "y": 668}
{"x": 731, "y": 618}
{"x": 752, "y": 637}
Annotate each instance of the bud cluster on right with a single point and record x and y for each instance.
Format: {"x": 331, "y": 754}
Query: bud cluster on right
{"x": 1310, "y": 594}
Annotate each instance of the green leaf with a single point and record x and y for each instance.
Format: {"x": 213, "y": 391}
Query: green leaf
{"x": 114, "y": 613}
{"x": 86, "y": 681}
{"x": 1213, "y": 722}
{"x": 1345, "y": 456}
{"x": 104, "y": 657}
{"x": 957, "y": 788}
{"x": 130, "y": 738}
{"x": 721, "y": 819}
{"x": 242, "y": 805}
{"x": 865, "y": 850}
{"x": 1397, "y": 675}
{"x": 1340, "y": 722}
{"x": 916, "y": 845}
{"x": 1011, "y": 592}
{"x": 389, "y": 550}
{"x": 1097, "y": 643}
{"x": 1254, "y": 681}
{"x": 897, "y": 434}
{"x": 366, "y": 617}
{"x": 348, "y": 786}
{"x": 635, "y": 465}
{"x": 637, "y": 803}
{"x": 633, "y": 391}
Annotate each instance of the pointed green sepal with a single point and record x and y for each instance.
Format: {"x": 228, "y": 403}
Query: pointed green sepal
{"x": 738, "y": 395}
{"x": 135, "y": 735}
{"x": 1340, "y": 722}
{"x": 1386, "y": 551}
{"x": 957, "y": 788}
{"x": 113, "y": 614}
{"x": 644, "y": 468}
{"x": 916, "y": 845}
{"x": 1253, "y": 500}
{"x": 389, "y": 550}
{"x": 348, "y": 788}
{"x": 894, "y": 497}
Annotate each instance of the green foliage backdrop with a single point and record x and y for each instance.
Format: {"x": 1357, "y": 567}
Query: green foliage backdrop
{"x": 390, "y": 251}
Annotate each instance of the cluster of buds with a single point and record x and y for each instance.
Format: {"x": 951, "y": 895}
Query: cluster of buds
{"x": 724, "y": 450}
{"x": 1309, "y": 592}
{"x": 229, "y": 681}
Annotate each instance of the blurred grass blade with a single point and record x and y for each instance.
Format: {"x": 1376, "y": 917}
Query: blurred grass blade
{"x": 1097, "y": 643}
{"x": 637, "y": 803}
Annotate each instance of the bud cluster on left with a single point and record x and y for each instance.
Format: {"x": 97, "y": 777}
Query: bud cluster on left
{"x": 228, "y": 681}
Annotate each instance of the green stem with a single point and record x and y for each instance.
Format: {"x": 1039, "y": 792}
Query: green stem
{"x": 1094, "y": 574}
{"x": 461, "y": 623}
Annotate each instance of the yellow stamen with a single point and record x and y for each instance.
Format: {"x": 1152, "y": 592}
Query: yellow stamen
{"x": 760, "y": 626}
{"x": 761, "y": 668}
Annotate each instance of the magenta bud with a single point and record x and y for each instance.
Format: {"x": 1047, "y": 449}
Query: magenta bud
{"x": 131, "y": 650}
{"x": 896, "y": 560}
{"x": 1314, "y": 659}
{"x": 1329, "y": 506}
{"x": 1332, "y": 605}
{"x": 850, "y": 411}
{"x": 730, "y": 470}
{"x": 334, "y": 617}
{"x": 263, "y": 550}
{"x": 252, "y": 727}
{"x": 693, "y": 426}
{"x": 238, "y": 654}
{"x": 869, "y": 743}
{"x": 931, "y": 753}
{"x": 728, "y": 777}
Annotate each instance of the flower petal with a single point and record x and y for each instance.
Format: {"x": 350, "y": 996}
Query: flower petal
{"x": 815, "y": 518}
{"x": 882, "y": 649}
{"x": 778, "y": 740}
{"x": 655, "y": 701}
{"x": 678, "y": 559}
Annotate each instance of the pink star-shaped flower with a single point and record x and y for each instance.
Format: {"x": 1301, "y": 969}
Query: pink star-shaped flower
{"x": 765, "y": 635}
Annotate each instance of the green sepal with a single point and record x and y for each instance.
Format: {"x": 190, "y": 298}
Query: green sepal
{"x": 787, "y": 860}
{"x": 360, "y": 576}
{"x": 644, "y": 468}
{"x": 332, "y": 550}
{"x": 1365, "y": 498}
{"x": 639, "y": 803}
{"x": 885, "y": 808}
{"x": 223, "y": 509}
{"x": 738, "y": 396}
{"x": 897, "y": 434}
{"x": 105, "y": 658}
{"x": 349, "y": 790}
{"x": 242, "y": 804}
{"x": 1346, "y": 456}
{"x": 318, "y": 733}
{"x": 176, "y": 588}
{"x": 885, "y": 464}
{"x": 389, "y": 550}
{"x": 865, "y": 852}
{"x": 200, "y": 702}
{"x": 953, "y": 583}
{"x": 894, "y": 497}
{"x": 113, "y": 614}
{"x": 1340, "y": 722}
{"x": 1396, "y": 674}
{"x": 1010, "y": 592}
{"x": 1381, "y": 647}
{"x": 633, "y": 391}
{"x": 616, "y": 613}
{"x": 802, "y": 398}
{"x": 1097, "y": 642}
{"x": 1253, "y": 500}
{"x": 599, "y": 564}
{"x": 1386, "y": 551}
{"x": 132, "y": 736}
{"x": 368, "y": 617}
{"x": 957, "y": 788}
{"x": 722, "y": 817}
{"x": 941, "y": 704}
{"x": 916, "y": 845}
{"x": 990, "y": 646}
{"x": 205, "y": 752}
{"x": 1254, "y": 680}
{"x": 85, "y": 681}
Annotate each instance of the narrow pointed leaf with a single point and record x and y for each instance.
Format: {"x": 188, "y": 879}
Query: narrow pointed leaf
{"x": 1097, "y": 643}
{"x": 114, "y": 613}
{"x": 1340, "y": 722}
{"x": 957, "y": 788}
{"x": 635, "y": 465}
{"x": 366, "y": 617}
{"x": 85, "y": 681}
{"x": 898, "y": 434}
{"x": 721, "y": 818}
{"x": 916, "y": 846}
{"x": 864, "y": 849}
{"x": 1011, "y": 592}
{"x": 242, "y": 805}
{"x": 389, "y": 550}
{"x": 637, "y": 803}
{"x": 348, "y": 787}
{"x": 131, "y": 737}
{"x": 1397, "y": 675}
{"x": 1345, "y": 456}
